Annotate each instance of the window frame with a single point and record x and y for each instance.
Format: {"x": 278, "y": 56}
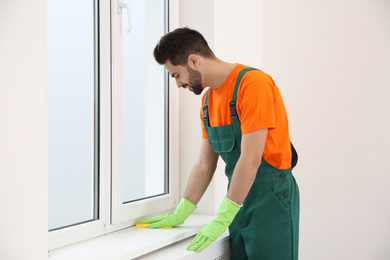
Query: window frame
{"x": 122, "y": 212}
{"x": 112, "y": 216}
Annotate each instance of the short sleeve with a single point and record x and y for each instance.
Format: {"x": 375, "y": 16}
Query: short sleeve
{"x": 255, "y": 104}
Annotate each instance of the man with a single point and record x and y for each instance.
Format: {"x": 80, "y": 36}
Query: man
{"x": 245, "y": 122}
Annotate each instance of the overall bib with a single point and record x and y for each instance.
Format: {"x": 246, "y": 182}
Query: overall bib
{"x": 266, "y": 227}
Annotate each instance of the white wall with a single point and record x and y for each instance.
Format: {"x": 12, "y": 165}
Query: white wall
{"x": 23, "y": 131}
{"x": 198, "y": 15}
{"x": 331, "y": 60}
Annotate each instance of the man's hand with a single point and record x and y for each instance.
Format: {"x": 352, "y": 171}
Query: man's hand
{"x": 209, "y": 233}
{"x": 182, "y": 212}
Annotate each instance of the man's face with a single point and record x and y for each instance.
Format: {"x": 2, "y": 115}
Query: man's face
{"x": 186, "y": 77}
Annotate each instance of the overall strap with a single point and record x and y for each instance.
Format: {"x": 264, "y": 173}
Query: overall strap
{"x": 294, "y": 156}
{"x": 233, "y": 110}
{"x": 206, "y": 120}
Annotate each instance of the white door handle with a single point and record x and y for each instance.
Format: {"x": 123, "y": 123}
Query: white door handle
{"x": 125, "y": 6}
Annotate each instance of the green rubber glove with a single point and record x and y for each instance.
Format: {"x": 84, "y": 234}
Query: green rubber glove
{"x": 209, "y": 233}
{"x": 182, "y": 212}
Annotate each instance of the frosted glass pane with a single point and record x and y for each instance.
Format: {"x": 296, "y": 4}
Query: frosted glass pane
{"x": 71, "y": 95}
{"x": 143, "y": 127}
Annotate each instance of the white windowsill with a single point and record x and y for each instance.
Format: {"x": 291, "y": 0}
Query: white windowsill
{"x": 134, "y": 242}
{"x": 176, "y": 251}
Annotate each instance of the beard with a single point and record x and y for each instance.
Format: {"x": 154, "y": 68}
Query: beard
{"x": 195, "y": 81}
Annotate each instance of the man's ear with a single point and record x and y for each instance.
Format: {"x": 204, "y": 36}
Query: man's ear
{"x": 193, "y": 61}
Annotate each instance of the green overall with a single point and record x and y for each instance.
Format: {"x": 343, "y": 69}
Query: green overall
{"x": 267, "y": 225}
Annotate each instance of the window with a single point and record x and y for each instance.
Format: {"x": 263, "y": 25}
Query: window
{"x": 111, "y": 141}
{"x": 139, "y": 112}
{"x": 72, "y": 112}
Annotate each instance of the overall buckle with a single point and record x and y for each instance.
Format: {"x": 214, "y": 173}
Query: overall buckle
{"x": 233, "y": 110}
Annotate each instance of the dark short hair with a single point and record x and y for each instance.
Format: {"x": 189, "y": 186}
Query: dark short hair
{"x": 177, "y": 45}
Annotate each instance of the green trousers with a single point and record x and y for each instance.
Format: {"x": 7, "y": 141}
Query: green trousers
{"x": 267, "y": 226}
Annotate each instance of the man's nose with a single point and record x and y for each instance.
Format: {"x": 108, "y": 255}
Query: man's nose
{"x": 178, "y": 83}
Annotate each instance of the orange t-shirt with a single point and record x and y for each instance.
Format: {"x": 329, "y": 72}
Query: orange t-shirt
{"x": 259, "y": 105}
